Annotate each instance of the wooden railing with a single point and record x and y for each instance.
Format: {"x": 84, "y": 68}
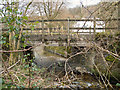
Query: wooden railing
{"x": 68, "y": 28}
{"x": 68, "y": 20}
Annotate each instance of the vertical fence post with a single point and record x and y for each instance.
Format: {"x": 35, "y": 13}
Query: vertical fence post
{"x": 94, "y": 31}
{"x": 58, "y": 29}
{"x": 68, "y": 38}
{"x": 62, "y": 29}
{"x": 68, "y": 32}
{"x": 90, "y": 34}
{"x": 43, "y": 31}
{"x": 52, "y": 31}
{"x": 105, "y": 25}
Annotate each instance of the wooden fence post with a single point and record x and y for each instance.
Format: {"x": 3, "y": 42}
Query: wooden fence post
{"x": 68, "y": 32}
{"x": 68, "y": 38}
{"x": 90, "y": 34}
{"x": 62, "y": 29}
{"x": 43, "y": 31}
{"x": 94, "y": 31}
{"x": 52, "y": 31}
{"x": 57, "y": 29}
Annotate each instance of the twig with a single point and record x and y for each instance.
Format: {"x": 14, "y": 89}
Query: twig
{"x": 100, "y": 75}
{"x": 17, "y": 77}
{"x": 1, "y": 51}
{"x": 100, "y": 48}
{"x": 107, "y": 67}
{"x": 7, "y": 70}
{"x": 91, "y": 13}
{"x": 11, "y": 66}
{"x": 22, "y": 75}
{"x": 71, "y": 57}
{"x": 24, "y": 50}
{"x": 108, "y": 81}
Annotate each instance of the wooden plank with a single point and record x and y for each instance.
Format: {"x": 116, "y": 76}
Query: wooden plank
{"x": 78, "y": 28}
{"x": 94, "y": 30}
{"x": 42, "y": 30}
{"x": 57, "y": 20}
{"x": 68, "y": 32}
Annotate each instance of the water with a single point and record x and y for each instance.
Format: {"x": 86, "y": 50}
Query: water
{"x": 44, "y": 58}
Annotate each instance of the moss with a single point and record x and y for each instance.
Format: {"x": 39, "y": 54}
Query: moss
{"x": 59, "y": 49}
{"x": 110, "y": 58}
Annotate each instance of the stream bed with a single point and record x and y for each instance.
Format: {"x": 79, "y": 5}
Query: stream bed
{"x": 77, "y": 77}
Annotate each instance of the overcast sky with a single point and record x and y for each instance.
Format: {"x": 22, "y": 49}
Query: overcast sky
{"x": 74, "y": 3}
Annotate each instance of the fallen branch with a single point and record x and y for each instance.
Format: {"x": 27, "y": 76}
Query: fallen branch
{"x": 11, "y": 66}
{"x": 7, "y": 71}
{"x": 17, "y": 77}
{"x": 24, "y": 50}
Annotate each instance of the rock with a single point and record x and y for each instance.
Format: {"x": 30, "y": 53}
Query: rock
{"x": 81, "y": 70}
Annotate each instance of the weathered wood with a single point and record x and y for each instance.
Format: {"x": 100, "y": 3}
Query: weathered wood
{"x": 94, "y": 30}
{"x": 25, "y": 29}
{"x": 42, "y": 30}
{"x": 68, "y": 32}
{"x": 57, "y": 33}
{"x": 56, "y": 20}
{"x": 58, "y": 30}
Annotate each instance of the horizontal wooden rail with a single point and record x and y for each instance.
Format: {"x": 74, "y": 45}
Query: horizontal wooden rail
{"x": 92, "y": 28}
{"x": 65, "y": 28}
{"x": 58, "y": 20}
{"x": 55, "y": 33}
{"x": 73, "y": 28}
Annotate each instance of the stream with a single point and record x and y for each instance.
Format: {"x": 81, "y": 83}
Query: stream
{"x": 85, "y": 79}
{"x": 44, "y": 58}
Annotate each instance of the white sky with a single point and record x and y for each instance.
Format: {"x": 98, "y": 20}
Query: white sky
{"x": 71, "y": 3}
{"x": 74, "y": 3}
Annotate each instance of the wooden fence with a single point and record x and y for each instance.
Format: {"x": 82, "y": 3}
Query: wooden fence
{"x": 68, "y": 28}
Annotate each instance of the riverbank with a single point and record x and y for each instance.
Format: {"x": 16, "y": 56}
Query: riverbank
{"x": 42, "y": 78}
